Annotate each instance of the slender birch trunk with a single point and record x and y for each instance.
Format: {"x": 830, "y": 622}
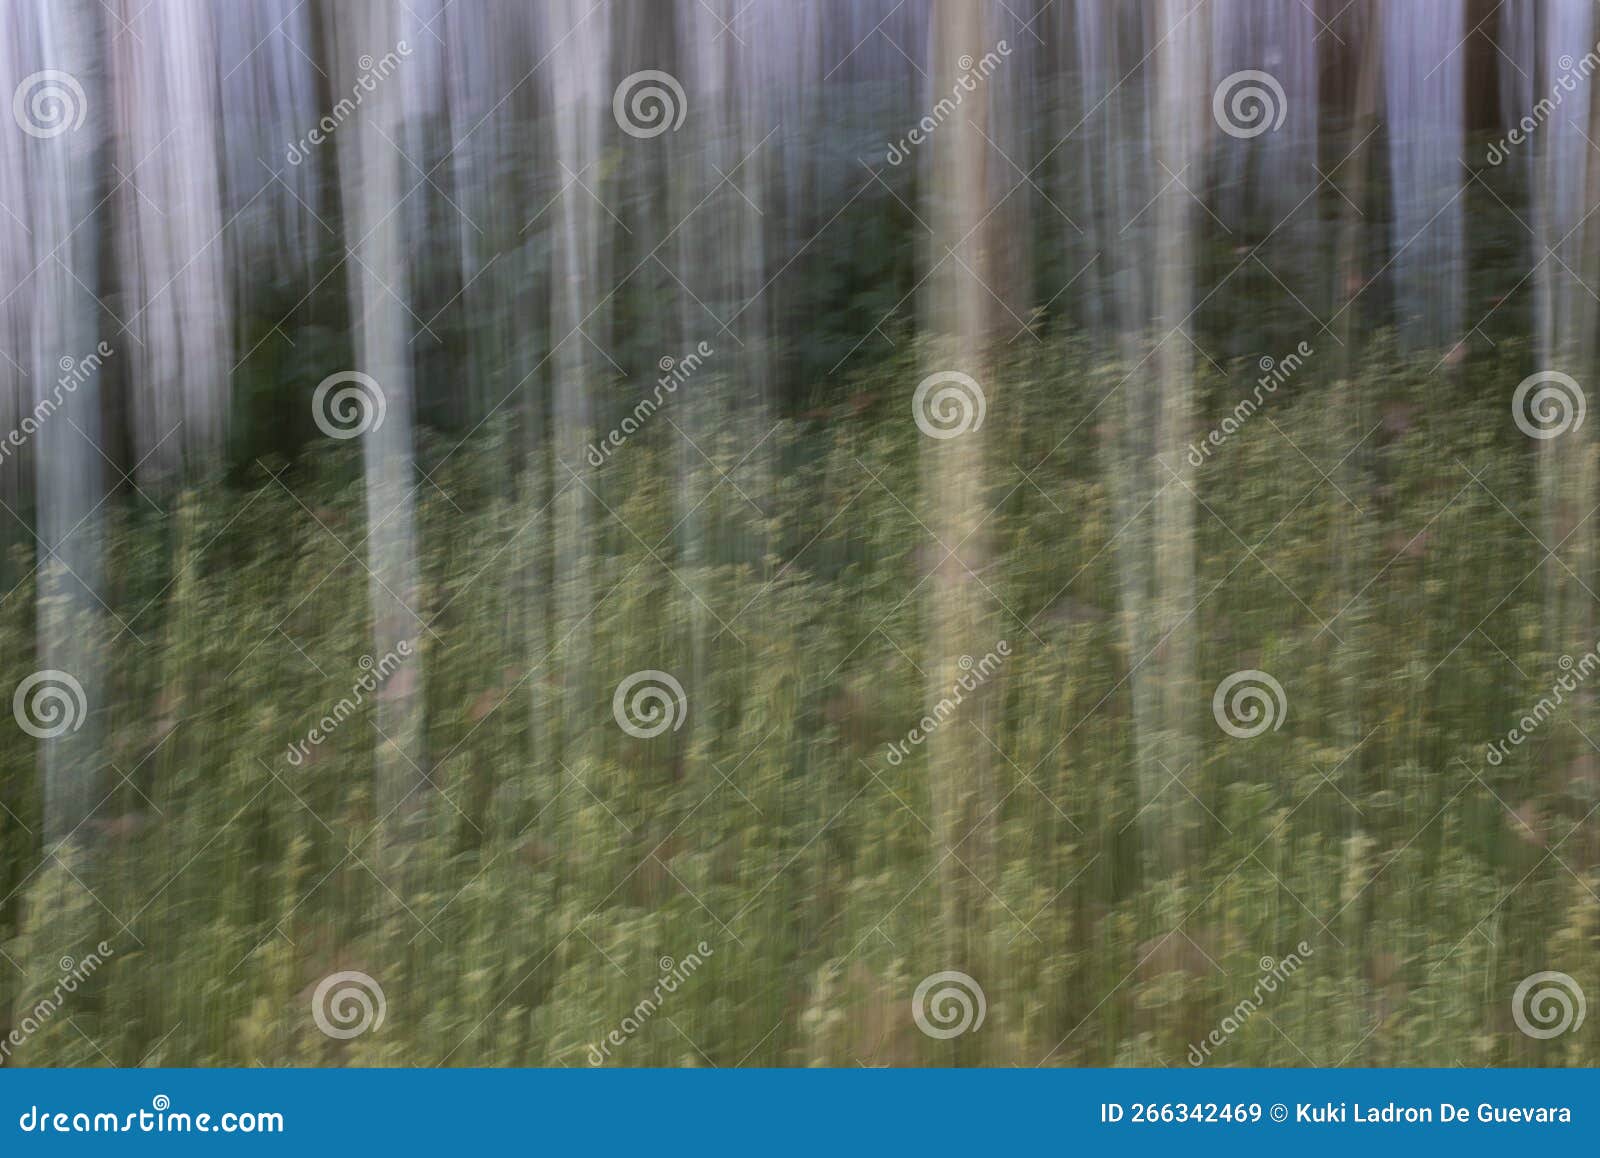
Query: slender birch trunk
{"x": 68, "y": 470}
{"x": 379, "y": 277}
{"x": 171, "y": 248}
{"x": 953, "y": 479}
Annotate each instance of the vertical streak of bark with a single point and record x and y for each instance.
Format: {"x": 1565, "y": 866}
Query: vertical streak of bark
{"x": 379, "y": 277}
{"x": 1353, "y": 408}
{"x": 170, "y": 245}
{"x": 69, "y": 477}
{"x": 953, "y": 476}
{"x": 1181, "y": 70}
{"x": 1566, "y": 177}
{"x": 1161, "y": 577}
{"x": 580, "y": 92}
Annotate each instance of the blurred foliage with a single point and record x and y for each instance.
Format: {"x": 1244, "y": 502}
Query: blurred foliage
{"x": 555, "y": 859}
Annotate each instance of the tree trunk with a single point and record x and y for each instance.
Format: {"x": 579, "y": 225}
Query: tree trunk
{"x": 379, "y": 279}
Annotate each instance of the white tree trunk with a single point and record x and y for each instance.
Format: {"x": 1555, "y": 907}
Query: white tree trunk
{"x": 379, "y": 279}
{"x": 171, "y": 249}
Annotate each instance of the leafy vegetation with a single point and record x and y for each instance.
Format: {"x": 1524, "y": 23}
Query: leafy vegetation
{"x": 552, "y": 859}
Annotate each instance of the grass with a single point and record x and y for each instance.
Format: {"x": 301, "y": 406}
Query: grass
{"x": 556, "y": 859}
